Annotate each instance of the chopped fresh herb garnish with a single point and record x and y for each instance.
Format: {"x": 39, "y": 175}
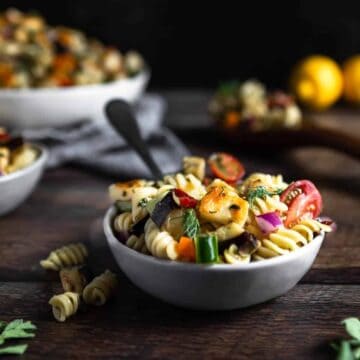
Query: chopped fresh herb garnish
{"x": 16, "y": 329}
{"x": 191, "y": 224}
{"x": 143, "y": 202}
{"x": 349, "y": 348}
{"x": 260, "y": 192}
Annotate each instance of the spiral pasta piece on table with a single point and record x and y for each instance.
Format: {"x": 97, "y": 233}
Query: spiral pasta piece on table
{"x": 123, "y": 222}
{"x": 194, "y": 165}
{"x": 188, "y": 183}
{"x": 160, "y": 243}
{"x": 268, "y": 204}
{"x": 64, "y": 305}
{"x": 100, "y": 289}
{"x": 286, "y": 240}
{"x": 137, "y": 243}
{"x": 70, "y": 255}
{"x": 73, "y": 279}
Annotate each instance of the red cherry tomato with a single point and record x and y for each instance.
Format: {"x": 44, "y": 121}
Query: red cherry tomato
{"x": 226, "y": 167}
{"x": 185, "y": 200}
{"x": 303, "y": 200}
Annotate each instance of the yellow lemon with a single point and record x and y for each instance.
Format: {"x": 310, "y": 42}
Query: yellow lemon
{"x": 351, "y": 71}
{"x": 317, "y": 81}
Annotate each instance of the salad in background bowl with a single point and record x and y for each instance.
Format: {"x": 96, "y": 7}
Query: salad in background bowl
{"x": 21, "y": 167}
{"x": 52, "y": 76}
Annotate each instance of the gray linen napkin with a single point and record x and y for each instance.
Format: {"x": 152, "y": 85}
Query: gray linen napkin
{"x": 97, "y": 146}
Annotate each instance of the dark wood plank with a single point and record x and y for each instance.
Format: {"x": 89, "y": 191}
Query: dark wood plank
{"x": 298, "y": 325}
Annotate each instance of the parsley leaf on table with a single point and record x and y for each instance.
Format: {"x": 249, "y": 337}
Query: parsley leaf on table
{"x": 349, "y": 349}
{"x": 13, "y": 350}
{"x": 16, "y": 329}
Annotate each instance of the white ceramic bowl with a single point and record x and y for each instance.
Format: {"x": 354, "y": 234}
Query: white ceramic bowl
{"x": 17, "y": 186}
{"x": 50, "y": 107}
{"x": 212, "y": 287}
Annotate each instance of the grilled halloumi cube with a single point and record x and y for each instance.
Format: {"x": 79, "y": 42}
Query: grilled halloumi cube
{"x": 222, "y": 205}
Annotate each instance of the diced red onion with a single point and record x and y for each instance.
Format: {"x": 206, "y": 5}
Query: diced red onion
{"x": 268, "y": 222}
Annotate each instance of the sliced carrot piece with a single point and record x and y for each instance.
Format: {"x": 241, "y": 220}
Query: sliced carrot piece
{"x": 186, "y": 249}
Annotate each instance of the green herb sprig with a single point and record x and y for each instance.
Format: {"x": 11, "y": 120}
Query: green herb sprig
{"x": 260, "y": 192}
{"x": 191, "y": 223}
{"x": 16, "y": 329}
{"x": 349, "y": 349}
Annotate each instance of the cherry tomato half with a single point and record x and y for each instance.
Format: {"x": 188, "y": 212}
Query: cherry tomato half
{"x": 226, "y": 167}
{"x": 303, "y": 200}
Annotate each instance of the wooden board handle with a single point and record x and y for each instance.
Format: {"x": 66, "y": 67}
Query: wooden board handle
{"x": 333, "y": 138}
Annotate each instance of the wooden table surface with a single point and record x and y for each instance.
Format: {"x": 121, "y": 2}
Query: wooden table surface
{"x": 68, "y": 206}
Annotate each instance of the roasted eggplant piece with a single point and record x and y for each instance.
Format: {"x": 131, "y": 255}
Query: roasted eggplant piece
{"x": 163, "y": 208}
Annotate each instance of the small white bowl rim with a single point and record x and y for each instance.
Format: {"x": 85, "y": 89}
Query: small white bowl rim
{"x": 283, "y": 259}
{"x": 28, "y": 169}
{"x": 66, "y": 89}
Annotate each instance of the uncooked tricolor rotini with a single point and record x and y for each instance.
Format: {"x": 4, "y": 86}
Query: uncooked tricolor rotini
{"x": 100, "y": 289}
{"x": 69, "y": 255}
{"x": 233, "y": 220}
{"x": 65, "y": 305}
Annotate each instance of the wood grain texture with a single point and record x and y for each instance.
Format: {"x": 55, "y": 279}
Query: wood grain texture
{"x": 298, "y": 325}
{"x": 68, "y": 207}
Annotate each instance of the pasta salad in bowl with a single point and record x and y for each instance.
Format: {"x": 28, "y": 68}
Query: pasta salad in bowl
{"x": 193, "y": 234}
{"x": 21, "y": 166}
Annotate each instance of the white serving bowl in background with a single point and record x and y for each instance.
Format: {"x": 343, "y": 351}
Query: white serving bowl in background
{"x": 52, "y": 107}
{"x": 17, "y": 186}
{"x": 212, "y": 287}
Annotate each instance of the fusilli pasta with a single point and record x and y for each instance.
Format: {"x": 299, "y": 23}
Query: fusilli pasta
{"x": 268, "y": 204}
{"x": 269, "y": 182}
{"x": 73, "y": 279}
{"x": 137, "y": 243}
{"x": 232, "y": 256}
{"x": 123, "y": 222}
{"x": 159, "y": 243}
{"x": 64, "y": 305}
{"x": 180, "y": 217}
{"x": 70, "y": 255}
{"x": 188, "y": 183}
{"x": 100, "y": 289}
{"x": 284, "y": 240}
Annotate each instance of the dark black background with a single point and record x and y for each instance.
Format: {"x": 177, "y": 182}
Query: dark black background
{"x": 199, "y": 43}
